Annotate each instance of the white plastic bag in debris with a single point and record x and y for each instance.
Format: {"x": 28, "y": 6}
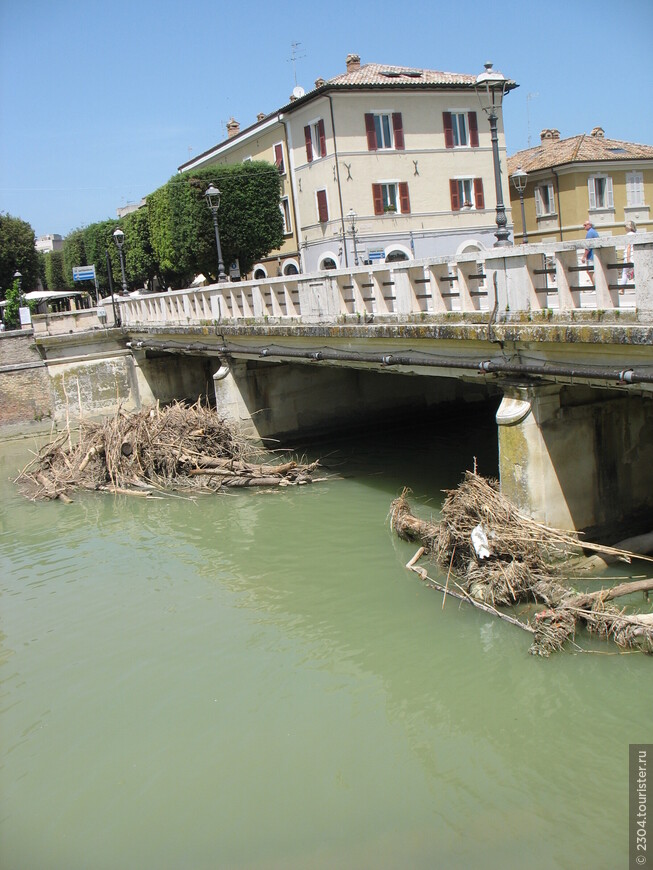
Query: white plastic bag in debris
{"x": 480, "y": 542}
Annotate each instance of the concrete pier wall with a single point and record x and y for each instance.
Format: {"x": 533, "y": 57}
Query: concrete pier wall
{"x": 575, "y": 458}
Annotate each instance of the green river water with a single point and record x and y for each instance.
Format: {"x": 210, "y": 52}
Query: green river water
{"x": 256, "y": 681}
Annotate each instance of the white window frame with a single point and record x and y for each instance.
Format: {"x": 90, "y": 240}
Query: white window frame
{"x": 287, "y": 263}
{"x": 635, "y": 189}
{"x": 463, "y": 181}
{"x": 284, "y": 208}
{"x": 379, "y": 130}
{"x": 592, "y": 190}
{"x": 328, "y": 255}
{"x": 248, "y": 159}
{"x": 315, "y": 138}
{"x": 385, "y": 187}
{"x": 460, "y": 128}
{"x": 540, "y": 209}
{"x": 255, "y": 269}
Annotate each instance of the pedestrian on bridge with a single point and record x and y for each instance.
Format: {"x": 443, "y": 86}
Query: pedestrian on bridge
{"x": 588, "y": 256}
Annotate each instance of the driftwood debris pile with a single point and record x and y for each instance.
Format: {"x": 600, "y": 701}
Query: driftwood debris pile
{"x": 180, "y": 447}
{"x": 494, "y": 556}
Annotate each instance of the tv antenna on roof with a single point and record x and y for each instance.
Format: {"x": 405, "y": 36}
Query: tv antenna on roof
{"x": 294, "y": 57}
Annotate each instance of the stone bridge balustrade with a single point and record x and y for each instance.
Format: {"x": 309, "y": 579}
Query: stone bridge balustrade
{"x": 524, "y": 278}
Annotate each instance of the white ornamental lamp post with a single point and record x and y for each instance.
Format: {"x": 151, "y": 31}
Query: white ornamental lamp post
{"x": 119, "y": 239}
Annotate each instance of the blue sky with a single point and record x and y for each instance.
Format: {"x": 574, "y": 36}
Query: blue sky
{"x": 100, "y": 102}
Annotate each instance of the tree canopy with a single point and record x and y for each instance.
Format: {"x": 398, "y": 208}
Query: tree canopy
{"x": 17, "y": 253}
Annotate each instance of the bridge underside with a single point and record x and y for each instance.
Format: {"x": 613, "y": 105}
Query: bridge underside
{"x": 572, "y": 456}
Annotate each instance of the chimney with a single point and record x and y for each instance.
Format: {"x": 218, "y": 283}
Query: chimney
{"x": 598, "y": 133}
{"x": 319, "y": 82}
{"x": 353, "y": 62}
{"x": 233, "y": 128}
{"x": 547, "y": 136}
{"x": 260, "y": 116}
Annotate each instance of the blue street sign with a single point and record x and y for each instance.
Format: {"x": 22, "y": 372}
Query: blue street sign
{"x": 83, "y": 273}
{"x": 376, "y": 255}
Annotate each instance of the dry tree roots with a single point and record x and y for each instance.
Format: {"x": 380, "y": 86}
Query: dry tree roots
{"x": 178, "y": 447}
{"x": 518, "y": 560}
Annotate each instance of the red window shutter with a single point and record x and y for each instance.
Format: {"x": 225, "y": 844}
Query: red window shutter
{"x": 478, "y": 193}
{"x": 309, "y": 144}
{"x": 371, "y": 132}
{"x": 455, "y": 198}
{"x": 404, "y": 199}
{"x": 398, "y": 129}
{"x": 473, "y": 129}
{"x": 447, "y": 123}
{"x": 322, "y": 135}
{"x": 377, "y": 196}
{"x": 278, "y": 156}
{"x": 322, "y": 207}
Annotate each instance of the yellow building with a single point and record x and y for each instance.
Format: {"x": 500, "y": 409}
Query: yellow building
{"x": 379, "y": 163}
{"x": 569, "y": 181}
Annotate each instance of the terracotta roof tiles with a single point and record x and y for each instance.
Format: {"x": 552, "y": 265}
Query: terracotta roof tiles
{"x": 577, "y": 149}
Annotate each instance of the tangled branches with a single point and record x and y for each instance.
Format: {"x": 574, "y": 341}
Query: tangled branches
{"x": 500, "y": 557}
{"x": 176, "y": 447}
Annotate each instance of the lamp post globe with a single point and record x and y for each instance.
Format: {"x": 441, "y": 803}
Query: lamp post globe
{"x": 19, "y": 277}
{"x": 212, "y": 195}
{"x": 520, "y": 180}
{"x": 490, "y": 87}
{"x": 119, "y": 239}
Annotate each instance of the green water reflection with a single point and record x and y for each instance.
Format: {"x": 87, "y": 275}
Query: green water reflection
{"x": 255, "y": 681}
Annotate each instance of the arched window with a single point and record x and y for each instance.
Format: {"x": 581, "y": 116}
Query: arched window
{"x": 396, "y": 256}
{"x": 328, "y": 261}
{"x": 290, "y": 267}
{"x": 260, "y": 272}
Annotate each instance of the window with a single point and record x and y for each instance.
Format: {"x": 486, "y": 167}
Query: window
{"x": 600, "y": 191}
{"x": 466, "y": 193}
{"x": 327, "y": 262}
{"x": 391, "y": 197}
{"x": 322, "y": 206}
{"x": 315, "y": 139}
{"x": 544, "y": 200}
{"x": 278, "y": 158}
{"x": 260, "y": 273}
{"x": 460, "y": 129}
{"x": 290, "y": 267}
{"x": 384, "y": 131}
{"x": 634, "y": 188}
{"x": 284, "y": 205}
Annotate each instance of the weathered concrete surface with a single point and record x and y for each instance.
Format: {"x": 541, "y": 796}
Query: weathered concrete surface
{"x": 576, "y": 458}
{"x": 25, "y": 397}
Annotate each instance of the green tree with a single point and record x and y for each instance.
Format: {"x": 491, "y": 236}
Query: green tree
{"x": 73, "y": 254}
{"x": 54, "y": 271}
{"x": 181, "y": 225}
{"x": 17, "y": 253}
{"x": 98, "y": 238}
{"x": 141, "y": 264}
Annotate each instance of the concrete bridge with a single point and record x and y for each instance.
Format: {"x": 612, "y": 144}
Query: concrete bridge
{"x": 567, "y": 356}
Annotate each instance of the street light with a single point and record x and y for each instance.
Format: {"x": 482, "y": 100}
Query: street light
{"x": 119, "y": 239}
{"x": 491, "y": 86}
{"x": 351, "y": 214}
{"x": 212, "y": 195}
{"x": 18, "y": 277}
{"x": 520, "y": 179}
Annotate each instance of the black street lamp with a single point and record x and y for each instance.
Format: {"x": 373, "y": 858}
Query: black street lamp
{"x": 490, "y": 87}
{"x": 212, "y": 195}
{"x": 119, "y": 239}
{"x": 520, "y": 179}
{"x": 18, "y": 277}
{"x": 351, "y": 214}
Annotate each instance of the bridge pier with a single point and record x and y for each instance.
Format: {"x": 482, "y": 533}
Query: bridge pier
{"x": 573, "y": 458}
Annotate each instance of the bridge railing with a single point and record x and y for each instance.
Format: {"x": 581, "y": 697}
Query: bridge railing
{"x": 524, "y": 278}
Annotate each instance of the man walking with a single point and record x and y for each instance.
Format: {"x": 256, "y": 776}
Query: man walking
{"x": 588, "y": 256}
